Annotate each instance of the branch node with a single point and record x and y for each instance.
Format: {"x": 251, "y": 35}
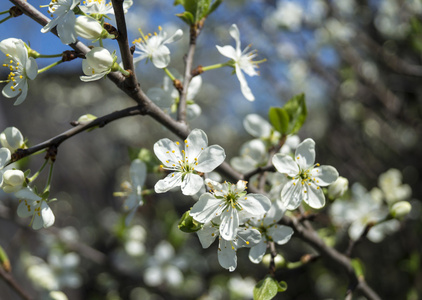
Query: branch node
{"x": 111, "y": 30}
{"x": 15, "y": 11}
{"x": 197, "y": 71}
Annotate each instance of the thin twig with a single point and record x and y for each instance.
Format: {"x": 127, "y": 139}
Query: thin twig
{"x": 353, "y": 243}
{"x": 8, "y": 278}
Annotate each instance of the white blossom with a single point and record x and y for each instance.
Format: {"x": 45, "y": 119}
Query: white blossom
{"x": 12, "y": 139}
{"x": 32, "y": 205}
{"x": 338, "y": 187}
{"x": 5, "y": 157}
{"x": 231, "y": 202}
{"x": 13, "y": 181}
{"x": 65, "y": 20}
{"x": 270, "y": 231}
{"x": 307, "y": 178}
{"x": 88, "y": 28}
{"x": 243, "y": 237}
{"x": 243, "y": 61}
{"x": 21, "y": 69}
{"x": 188, "y": 163}
{"x": 102, "y": 7}
{"x": 97, "y": 64}
{"x": 154, "y": 47}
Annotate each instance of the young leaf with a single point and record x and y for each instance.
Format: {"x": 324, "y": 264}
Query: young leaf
{"x": 186, "y": 17}
{"x": 4, "y": 260}
{"x": 282, "y": 286}
{"x": 296, "y": 109}
{"x": 266, "y": 289}
{"x": 188, "y": 224}
{"x": 279, "y": 118}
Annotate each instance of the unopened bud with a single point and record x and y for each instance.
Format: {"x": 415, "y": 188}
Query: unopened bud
{"x": 88, "y": 28}
{"x": 13, "y": 181}
{"x": 86, "y": 118}
{"x": 400, "y": 209}
{"x": 338, "y": 188}
{"x": 279, "y": 260}
{"x": 12, "y": 139}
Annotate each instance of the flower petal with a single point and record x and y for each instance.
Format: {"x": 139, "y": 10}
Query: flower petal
{"x": 195, "y": 143}
{"x": 66, "y": 28}
{"x": 246, "y": 91}
{"x": 168, "y": 152}
{"x": 315, "y": 196}
{"x": 172, "y": 180}
{"x": 5, "y": 157}
{"x": 31, "y": 68}
{"x": 138, "y": 172}
{"x": 161, "y": 57}
{"x": 207, "y": 208}
{"x": 324, "y": 175}
{"x": 191, "y": 184}
{"x": 280, "y": 234}
{"x": 229, "y": 223}
{"x": 175, "y": 37}
{"x": 292, "y": 194}
{"x": 255, "y": 204}
{"x": 210, "y": 159}
{"x": 285, "y": 164}
{"x": 207, "y": 234}
{"x": 227, "y": 255}
{"x": 234, "y": 33}
{"x": 257, "y": 252}
{"x": 47, "y": 216}
{"x": 305, "y": 154}
{"x": 257, "y": 126}
{"x": 227, "y": 51}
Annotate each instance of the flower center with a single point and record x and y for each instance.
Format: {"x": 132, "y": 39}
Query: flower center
{"x": 16, "y": 69}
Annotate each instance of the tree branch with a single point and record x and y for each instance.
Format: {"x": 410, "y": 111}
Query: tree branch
{"x": 57, "y": 140}
{"x": 13, "y": 284}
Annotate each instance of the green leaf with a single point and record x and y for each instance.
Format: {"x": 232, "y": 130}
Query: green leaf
{"x": 4, "y": 260}
{"x": 279, "y": 118}
{"x": 358, "y": 267}
{"x": 186, "y": 17}
{"x": 214, "y": 6}
{"x": 296, "y": 109}
{"x": 188, "y": 224}
{"x": 282, "y": 286}
{"x": 266, "y": 289}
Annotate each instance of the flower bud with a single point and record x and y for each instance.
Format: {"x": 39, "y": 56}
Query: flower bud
{"x": 400, "y": 209}
{"x": 88, "y": 28}
{"x": 86, "y": 118}
{"x": 13, "y": 181}
{"x": 12, "y": 139}
{"x": 98, "y": 60}
{"x": 338, "y": 188}
{"x": 278, "y": 260}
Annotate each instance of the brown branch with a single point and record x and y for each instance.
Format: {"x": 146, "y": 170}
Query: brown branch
{"x": 195, "y": 30}
{"x": 57, "y": 140}
{"x": 122, "y": 39}
{"x": 8, "y": 278}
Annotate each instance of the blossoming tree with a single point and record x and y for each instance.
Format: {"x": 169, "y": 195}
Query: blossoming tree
{"x": 273, "y": 193}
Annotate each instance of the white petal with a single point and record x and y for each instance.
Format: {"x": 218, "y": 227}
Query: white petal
{"x": 193, "y": 111}
{"x": 66, "y": 28}
{"x": 5, "y": 157}
{"x": 195, "y": 143}
{"x": 227, "y": 255}
{"x": 285, "y": 164}
{"x": 315, "y": 198}
{"x": 28, "y": 194}
{"x": 274, "y": 214}
{"x": 210, "y": 159}
{"x": 46, "y": 215}
{"x": 292, "y": 194}
{"x": 194, "y": 86}
{"x": 257, "y": 126}
{"x": 161, "y": 57}
{"x": 280, "y": 234}
{"x": 255, "y": 204}
{"x": 229, "y": 223}
{"x": 23, "y": 94}
{"x": 138, "y": 172}
{"x": 175, "y": 37}
{"x": 247, "y": 237}
{"x": 324, "y": 175}
{"x": 356, "y": 229}
{"x": 172, "y": 180}
{"x": 246, "y": 91}
{"x": 23, "y": 210}
{"x": 227, "y": 51}
{"x": 31, "y": 68}
{"x": 234, "y": 33}
{"x": 207, "y": 234}
{"x": 206, "y": 208}
{"x": 305, "y": 154}
{"x": 164, "y": 148}
{"x": 257, "y": 252}
{"x": 92, "y": 77}
{"x": 191, "y": 184}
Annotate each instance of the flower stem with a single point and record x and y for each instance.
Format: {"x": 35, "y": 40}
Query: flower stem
{"x": 39, "y": 171}
{"x": 50, "y": 175}
{"x": 169, "y": 74}
{"x": 50, "y": 66}
{"x": 4, "y": 12}
{"x": 216, "y": 66}
{"x": 49, "y": 55}
{"x": 5, "y": 19}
